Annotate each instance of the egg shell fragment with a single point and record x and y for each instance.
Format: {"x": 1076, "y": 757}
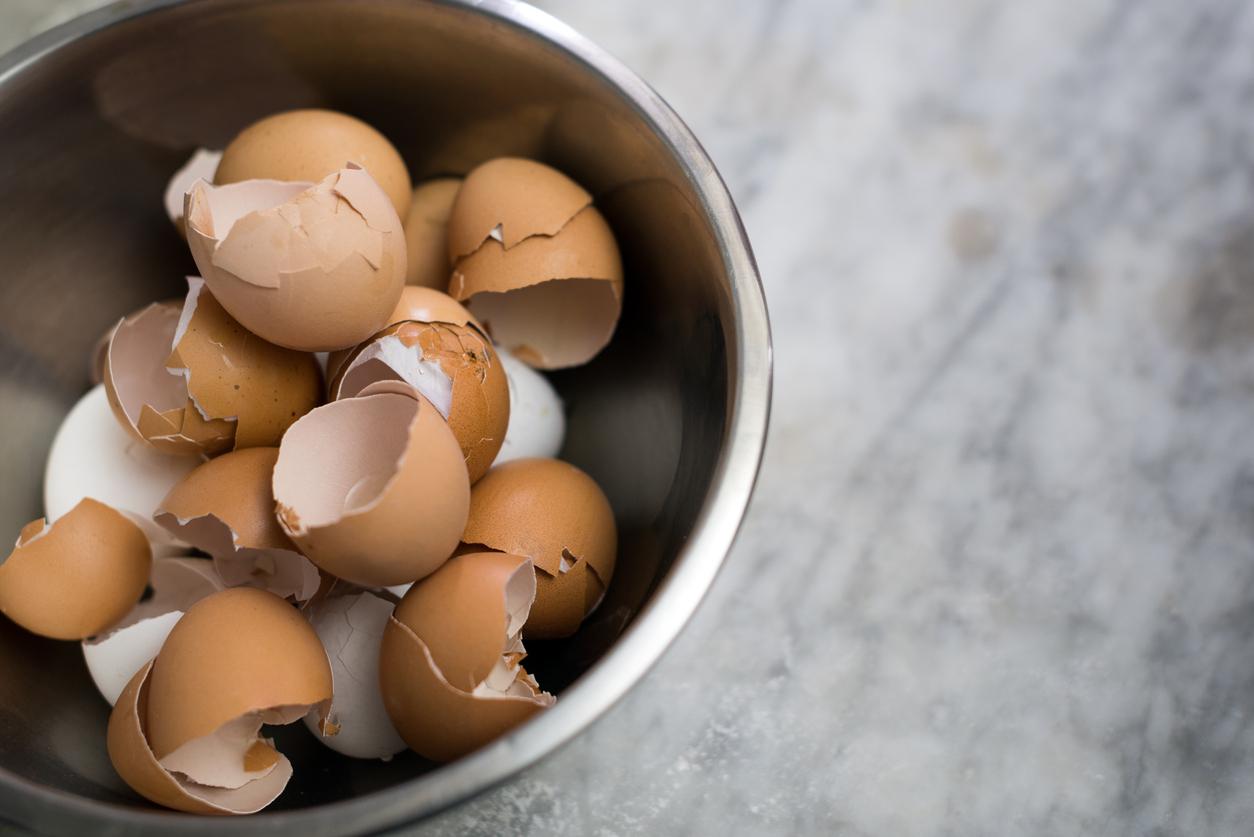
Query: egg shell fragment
{"x": 200, "y": 166}
{"x": 556, "y": 515}
{"x": 92, "y": 456}
{"x": 226, "y": 508}
{"x": 177, "y": 583}
{"x": 450, "y": 663}
{"x": 374, "y": 489}
{"x": 553, "y": 301}
{"x": 537, "y": 418}
{"x": 308, "y": 145}
{"x": 351, "y": 630}
{"x": 426, "y": 232}
{"x": 78, "y": 576}
{"x": 313, "y": 267}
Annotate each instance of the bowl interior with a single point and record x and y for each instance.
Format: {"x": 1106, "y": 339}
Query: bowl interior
{"x": 89, "y": 134}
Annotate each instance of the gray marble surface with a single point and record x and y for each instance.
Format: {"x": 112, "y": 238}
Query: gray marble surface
{"x": 999, "y": 575}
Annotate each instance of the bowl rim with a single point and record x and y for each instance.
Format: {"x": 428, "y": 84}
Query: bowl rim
{"x": 663, "y": 616}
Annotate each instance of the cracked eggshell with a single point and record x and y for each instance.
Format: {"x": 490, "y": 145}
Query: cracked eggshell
{"x": 351, "y": 630}
{"x": 311, "y": 267}
{"x": 237, "y": 659}
{"x": 308, "y": 145}
{"x": 554, "y": 301}
{"x": 200, "y": 166}
{"x": 78, "y": 576}
{"x": 92, "y": 456}
{"x": 226, "y": 508}
{"x": 450, "y": 663}
{"x": 556, "y": 515}
{"x": 177, "y": 583}
{"x": 537, "y": 419}
{"x": 454, "y": 367}
{"x": 373, "y": 490}
{"x": 426, "y": 231}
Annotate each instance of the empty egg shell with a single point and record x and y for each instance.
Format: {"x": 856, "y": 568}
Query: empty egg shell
{"x": 237, "y": 659}
{"x": 307, "y": 145}
{"x": 373, "y": 490}
{"x": 200, "y": 166}
{"x": 351, "y": 630}
{"x": 226, "y": 508}
{"x": 196, "y": 382}
{"x": 556, "y": 515}
{"x": 92, "y": 456}
{"x": 75, "y": 578}
{"x": 450, "y": 664}
{"x": 311, "y": 267}
{"x": 453, "y": 366}
{"x": 426, "y": 227}
{"x": 537, "y": 420}
{"x": 177, "y": 583}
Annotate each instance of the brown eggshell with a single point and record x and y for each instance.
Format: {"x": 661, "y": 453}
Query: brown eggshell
{"x": 226, "y": 508}
{"x": 454, "y": 367}
{"x": 307, "y": 145}
{"x": 522, "y": 198}
{"x": 233, "y": 653}
{"x": 373, "y": 490}
{"x": 310, "y": 267}
{"x": 553, "y": 301}
{"x": 135, "y": 762}
{"x": 77, "y": 577}
{"x": 556, "y": 515}
{"x": 426, "y": 232}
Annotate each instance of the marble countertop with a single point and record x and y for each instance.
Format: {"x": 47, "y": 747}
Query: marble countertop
{"x": 999, "y": 574}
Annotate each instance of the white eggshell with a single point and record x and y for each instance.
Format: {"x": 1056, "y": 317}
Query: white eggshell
{"x": 114, "y": 661}
{"x": 537, "y": 421}
{"x": 351, "y": 630}
{"x": 92, "y": 456}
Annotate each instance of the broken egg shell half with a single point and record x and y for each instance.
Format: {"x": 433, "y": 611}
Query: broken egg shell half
{"x": 78, "y": 576}
{"x": 513, "y": 199}
{"x": 311, "y": 267}
{"x": 351, "y": 630}
{"x": 556, "y": 515}
{"x": 374, "y": 489}
{"x": 454, "y": 367}
{"x": 237, "y": 659}
{"x": 114, "y": 657}
{"x": 200, "y": 166}
{"x": 426, "y": 231}
{"x": 226, "y": 508}
{"x": 553, "y": 301}
{"x": 537, "y": 419}
{"x": 307, "y": 145}
{"x": 92, "y": 456}
{"x": 450, "y": 664}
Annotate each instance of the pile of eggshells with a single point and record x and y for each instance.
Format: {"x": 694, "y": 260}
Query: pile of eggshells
{"x": 319, "y": 487}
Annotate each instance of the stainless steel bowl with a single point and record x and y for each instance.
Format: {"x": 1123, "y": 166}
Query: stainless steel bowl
{"x": 671, "y": 420}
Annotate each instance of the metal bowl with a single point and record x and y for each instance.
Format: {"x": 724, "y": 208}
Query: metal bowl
{"x": 671, "y": 419}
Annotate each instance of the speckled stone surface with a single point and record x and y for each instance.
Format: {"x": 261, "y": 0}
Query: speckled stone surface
{"x": 999, "y": 575}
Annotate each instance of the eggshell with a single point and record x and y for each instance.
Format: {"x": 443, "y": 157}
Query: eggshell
{"x": 426, "y": 227}
{"x": 454, "y": 367}
{"x": 92, "y": 456}
{"x": 450, "y": 662}
{"x": 373, "y": 489}
{"x": 226, "y": 508}
{"x": 553, "y": 301}
{"x": 200, "y": 166}
{"x": 537, "y": 419}
{"x": 515, "y": 199}
{"x": 556, "y": 515}
{"x": 177, "y": 583}
{"x": 135, "y": 762}
{"x": 78, "y": 576}
{"x": 310, "y": 144}
{"x": 351, "y": 630}
{"x": 311, "y": 267}
{"x": 237, "y": 659}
